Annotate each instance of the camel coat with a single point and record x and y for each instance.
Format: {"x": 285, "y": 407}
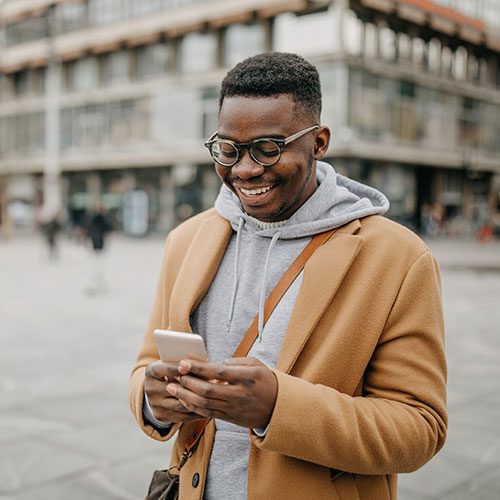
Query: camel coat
{"x": 361, "y": 373}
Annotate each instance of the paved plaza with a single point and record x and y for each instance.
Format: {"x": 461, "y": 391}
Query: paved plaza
{"x": 65, "y": 428}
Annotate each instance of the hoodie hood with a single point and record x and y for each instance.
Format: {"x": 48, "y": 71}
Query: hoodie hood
{"x": 337, "y": 201}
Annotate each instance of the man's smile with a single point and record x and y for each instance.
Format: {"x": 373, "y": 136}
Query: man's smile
{"x": 254, "y": 191}
{"x": 253, "y": 196}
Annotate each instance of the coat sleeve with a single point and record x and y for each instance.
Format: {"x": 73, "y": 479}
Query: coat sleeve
{"x": 400, "y": 421}
{"x": 148, "y": 353}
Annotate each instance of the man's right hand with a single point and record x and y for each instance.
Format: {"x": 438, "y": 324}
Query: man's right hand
{"x": 166, "y": 408}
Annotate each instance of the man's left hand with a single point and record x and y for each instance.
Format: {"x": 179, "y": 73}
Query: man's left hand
{"x": 242, "y": 390}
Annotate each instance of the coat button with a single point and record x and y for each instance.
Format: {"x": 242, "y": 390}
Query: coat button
{"x": 196, "y": 480}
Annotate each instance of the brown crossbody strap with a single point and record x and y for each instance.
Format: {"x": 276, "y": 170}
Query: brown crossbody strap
{"x": 252, "y": 333}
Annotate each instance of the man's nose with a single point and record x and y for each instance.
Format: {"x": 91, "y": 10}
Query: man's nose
{"x": 247, "y": 167}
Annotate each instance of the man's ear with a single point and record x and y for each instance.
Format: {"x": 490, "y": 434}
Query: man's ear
{"x": 322, "y": 142}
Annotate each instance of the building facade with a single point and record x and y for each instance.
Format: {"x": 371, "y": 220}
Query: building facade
{"x": 103, "y": 98}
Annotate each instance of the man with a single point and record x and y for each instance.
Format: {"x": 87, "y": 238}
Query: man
{"x": 345, "y": 386}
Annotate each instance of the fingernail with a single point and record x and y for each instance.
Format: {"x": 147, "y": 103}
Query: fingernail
{"x": 172, "y": 389}
{"x": 185, "y": 364}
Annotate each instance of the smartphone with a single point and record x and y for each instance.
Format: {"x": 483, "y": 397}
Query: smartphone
{"x": 174, "y": 346}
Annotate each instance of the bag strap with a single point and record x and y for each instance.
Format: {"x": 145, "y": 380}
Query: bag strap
{"x": 252, "y": 333}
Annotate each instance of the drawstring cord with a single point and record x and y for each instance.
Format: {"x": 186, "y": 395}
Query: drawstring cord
{"x": 241, "y": 221}
{"x": 263, "y": 285}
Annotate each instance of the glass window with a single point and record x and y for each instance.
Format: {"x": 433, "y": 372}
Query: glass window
{"x": 490, "y": 127}
{"x": 120, "y": 118}
{"x": 106, "y": 11}
{"x": 66, "y": 129}
{"x": 139, "y": 121}
{"x": 144, "y": 7}
{"x": 22, "y": 133}
{"x": 3, "y": 87}
{"x": 115, "y": 67}
{"x": 210, "y": 111}
{"x": 90, "y": 123}
{"x": 153, "y": 60}
{"x": 366, "y": 104}
{"x": 469, "y": 122}
{"x": 20, "y": 82}
{"x": 178, "y": 3}
{"x": 82, "y": 74}
{"x": 112, "y": 124}
{"x": 405, "y": 118}
{"x": 198, "y": 53}
{"x": 27, "y": 30}
{"x": 242, "y": 41}
{"x": 36, "y": 81}
{"x": 72, "y": 16}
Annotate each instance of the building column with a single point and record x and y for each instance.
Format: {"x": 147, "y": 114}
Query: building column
{"x": 340, "y": 7}
{"x": 166, "y": 200}
{"x": 52, "y": 167}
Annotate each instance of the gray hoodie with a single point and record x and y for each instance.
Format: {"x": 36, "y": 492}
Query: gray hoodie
{"x": 257, "y": 256}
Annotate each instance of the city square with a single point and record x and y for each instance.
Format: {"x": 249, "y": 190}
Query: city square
{"x": 65, "y": 427}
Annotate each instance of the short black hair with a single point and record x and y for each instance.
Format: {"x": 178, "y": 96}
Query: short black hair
{"x": 275, "y": 73}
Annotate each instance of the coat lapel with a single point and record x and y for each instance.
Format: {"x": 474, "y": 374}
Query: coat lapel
{"x": 322, "y": 277}
{"x": 198, "y": 269}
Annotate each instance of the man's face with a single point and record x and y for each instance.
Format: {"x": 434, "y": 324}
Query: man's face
{"x": 285, "y": 186}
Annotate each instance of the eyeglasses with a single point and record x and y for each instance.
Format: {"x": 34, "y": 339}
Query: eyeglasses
{"x": 265, "y": 151}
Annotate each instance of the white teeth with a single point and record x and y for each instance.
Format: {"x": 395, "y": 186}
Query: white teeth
{"x": 250, "y": 192}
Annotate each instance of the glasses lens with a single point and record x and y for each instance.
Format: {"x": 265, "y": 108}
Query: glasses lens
{"x": 265, "y": 151}
{"x": 224, "y": 152}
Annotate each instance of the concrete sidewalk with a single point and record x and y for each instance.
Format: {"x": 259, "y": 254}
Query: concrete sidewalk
{"x": 65, "y": 427}
{"x": 466, "y": 254}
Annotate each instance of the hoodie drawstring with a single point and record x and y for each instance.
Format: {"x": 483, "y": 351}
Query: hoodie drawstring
{"x": 239, "y": 231}
{"x": 263, "y": 285}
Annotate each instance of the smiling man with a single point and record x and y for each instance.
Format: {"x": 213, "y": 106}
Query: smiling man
{"x": 344, "y": 386}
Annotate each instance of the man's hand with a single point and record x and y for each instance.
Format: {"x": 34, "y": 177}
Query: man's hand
{"x": 242, "y": 390}
{"x": 166, "y": 408}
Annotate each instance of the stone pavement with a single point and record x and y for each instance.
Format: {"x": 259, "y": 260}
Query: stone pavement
{"x": 65, "y": 428}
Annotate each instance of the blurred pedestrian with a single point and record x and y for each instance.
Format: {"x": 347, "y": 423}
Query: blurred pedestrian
{"x": 50, "y": 226}
{"x": 97, "y": 230}
{"x": 344, "y": 384}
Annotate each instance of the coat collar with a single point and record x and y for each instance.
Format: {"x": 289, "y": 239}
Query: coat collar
{"x": 198, "y": 270}
{"x": 322, "y": 277}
